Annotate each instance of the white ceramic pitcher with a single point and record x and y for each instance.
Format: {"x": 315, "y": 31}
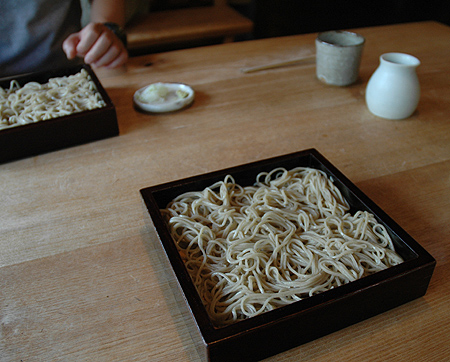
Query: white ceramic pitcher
{"x": 393, "y": 91}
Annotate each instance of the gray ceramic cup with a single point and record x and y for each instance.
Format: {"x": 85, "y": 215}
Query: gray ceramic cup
{"x": 338, "y": 57}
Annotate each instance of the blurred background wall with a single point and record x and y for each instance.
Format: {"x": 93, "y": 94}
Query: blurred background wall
{"x": 287, "y": 17}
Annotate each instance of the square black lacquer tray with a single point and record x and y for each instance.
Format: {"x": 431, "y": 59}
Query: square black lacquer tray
{"x": 305, "y": 320}
{"x": 54, "y": 134}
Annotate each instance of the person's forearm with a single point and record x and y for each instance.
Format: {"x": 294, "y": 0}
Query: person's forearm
{"x": 103, "y": 11}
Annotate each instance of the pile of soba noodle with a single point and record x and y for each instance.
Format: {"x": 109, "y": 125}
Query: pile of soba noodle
{"x": 252, "y": 249}
{"x": 58, "y": 97}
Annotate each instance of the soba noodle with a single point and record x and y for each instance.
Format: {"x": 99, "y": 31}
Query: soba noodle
{"x": 58, "y": 97}
{"x": 289, "y": 236}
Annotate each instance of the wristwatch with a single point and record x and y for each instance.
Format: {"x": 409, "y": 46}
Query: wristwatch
{"x": 119, "y": 31}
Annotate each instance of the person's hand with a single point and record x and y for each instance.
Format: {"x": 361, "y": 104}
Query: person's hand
{"x": 97, "y": 45}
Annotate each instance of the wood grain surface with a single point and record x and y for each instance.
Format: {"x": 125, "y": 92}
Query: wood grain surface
{"x": 181, "y": 25}
{"x": 82, "y": 276}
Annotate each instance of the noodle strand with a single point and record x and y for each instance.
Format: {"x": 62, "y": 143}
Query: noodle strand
{"x": 290, "y": 236}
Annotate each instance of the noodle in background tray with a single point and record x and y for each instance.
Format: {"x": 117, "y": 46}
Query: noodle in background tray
{"x": 60, "y": 96}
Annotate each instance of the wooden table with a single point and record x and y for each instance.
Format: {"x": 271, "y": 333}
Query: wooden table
{"x": 82, "y": 276}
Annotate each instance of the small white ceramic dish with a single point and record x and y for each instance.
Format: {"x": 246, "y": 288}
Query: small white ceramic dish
{"x": 163, "y": 97}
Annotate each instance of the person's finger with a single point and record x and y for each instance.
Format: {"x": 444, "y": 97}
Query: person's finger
{"x": 70, "y": 45}
{"x": 120, "y": 60}
{"x": 105, "y": 43}
{"x": 89, "y": 36}
{"x": 107, "y": 57}
{"x": 98, "y": 45}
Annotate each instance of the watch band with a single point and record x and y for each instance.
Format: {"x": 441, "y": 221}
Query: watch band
{"x": 119, "y": 31}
